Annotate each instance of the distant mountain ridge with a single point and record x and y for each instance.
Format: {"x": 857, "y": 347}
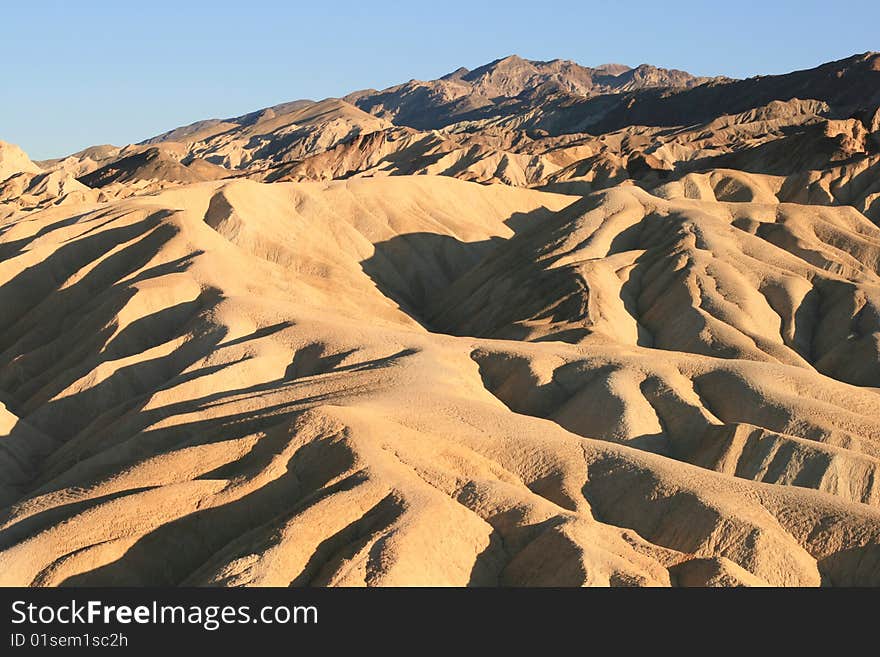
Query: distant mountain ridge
{"x": 562, "y": 97}
{"x": 505, "y": 78}
{"x": 463, "y": 93}
{"x": 528, "y": 123}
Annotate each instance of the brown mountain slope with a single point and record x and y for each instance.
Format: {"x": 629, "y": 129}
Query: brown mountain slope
{"x": 503, "y": 86}
{"x": 153, "y": 165}
{"x": 538, "y": 124}
{"x": 847, "y": 85}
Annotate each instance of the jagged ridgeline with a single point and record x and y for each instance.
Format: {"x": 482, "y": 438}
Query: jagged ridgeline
{"x": 530, "y": 324}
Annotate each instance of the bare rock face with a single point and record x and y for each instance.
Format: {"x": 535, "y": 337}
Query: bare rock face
{"x": 534, "y": 324}
{"x": 25, "y": 186}
{"x": 508, "y": 82}
{"x": 13, "y": 160}
{"x": 641, "y": 164}
{"x": 153, "y": 164}
{"x": 873, "y": 128}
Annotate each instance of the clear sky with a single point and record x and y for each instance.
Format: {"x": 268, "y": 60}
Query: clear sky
{"x": 77, "y": 73}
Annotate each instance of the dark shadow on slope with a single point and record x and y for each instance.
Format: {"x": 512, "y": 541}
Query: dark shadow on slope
{"x": 348, "y": 541}
{"x": 858, "y": 566}
{"x": 34, "y": 524}
{"x": 35, "y": 284}
{"x": 801, "y": 148}
{"x": 415, "y": 269}
{"x": 174, "y": 550}
{"x": 118, "y": 432}
{"x": 518, "y": 292}
{"x": 16, "y": 247}
{"x": 412, "y": 269}
{"x": 258, "y": 334}
{"x": 42, "y": 355}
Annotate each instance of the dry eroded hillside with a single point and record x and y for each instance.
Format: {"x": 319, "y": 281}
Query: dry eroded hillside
{"x": 260, "y": 351}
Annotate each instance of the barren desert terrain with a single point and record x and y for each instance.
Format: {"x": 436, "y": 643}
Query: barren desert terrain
{"x": 534, "y": 324}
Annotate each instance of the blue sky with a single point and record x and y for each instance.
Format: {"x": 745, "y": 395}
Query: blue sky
{"x": 91, "y": 72}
